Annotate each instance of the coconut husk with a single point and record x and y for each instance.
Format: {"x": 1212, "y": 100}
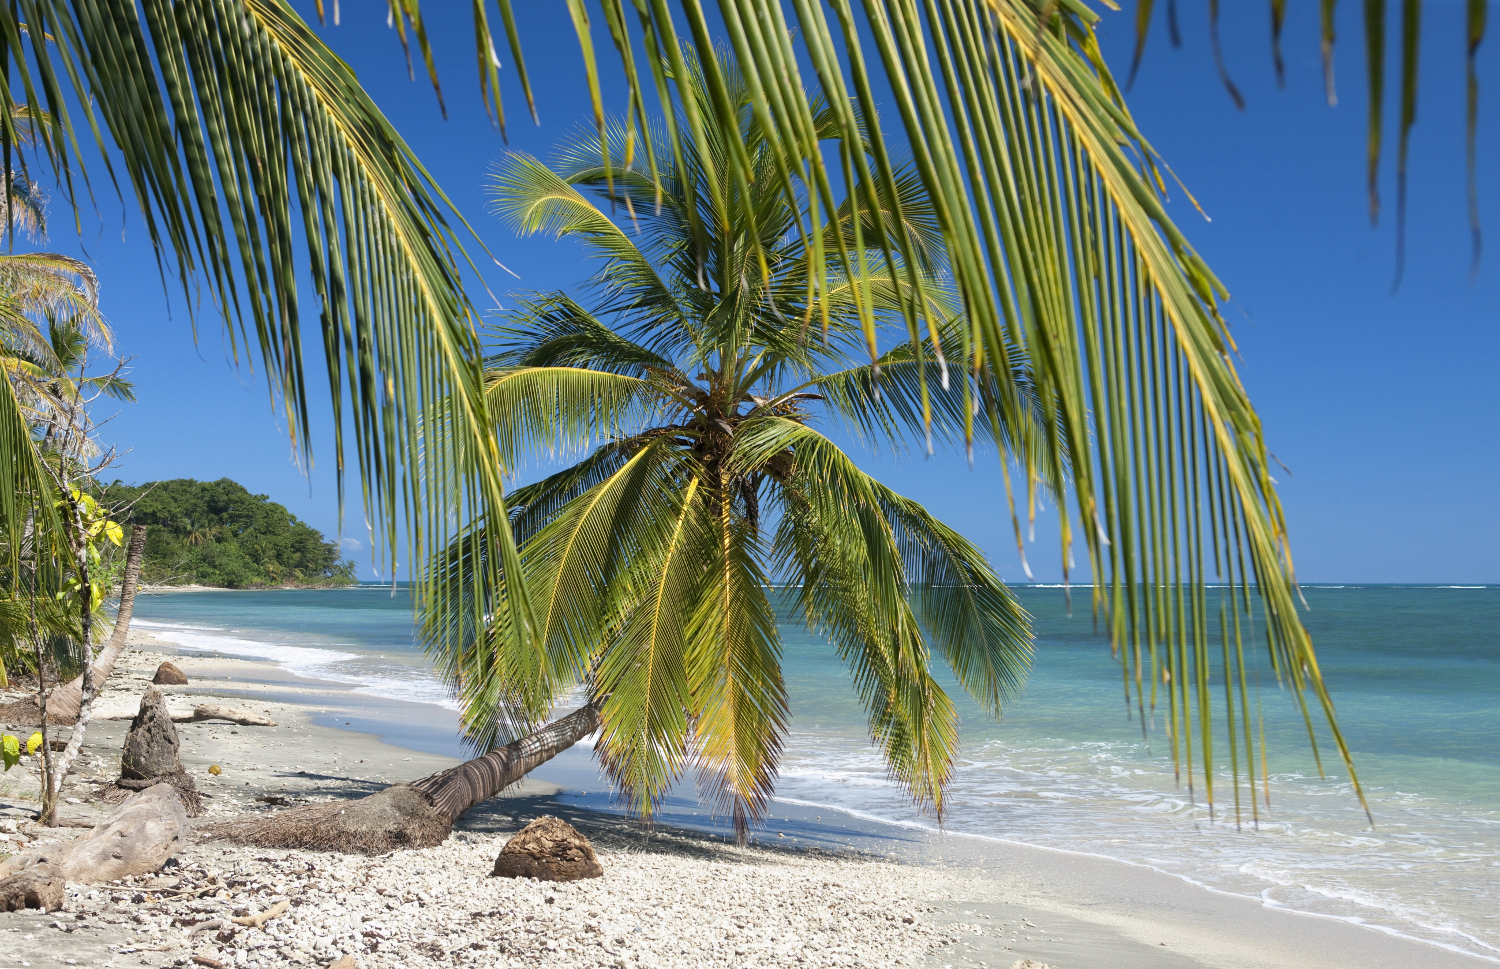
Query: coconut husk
{"x": 397, "y": 817}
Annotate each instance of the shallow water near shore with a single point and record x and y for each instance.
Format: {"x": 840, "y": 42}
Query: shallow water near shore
{"x": 1415, "y": 672}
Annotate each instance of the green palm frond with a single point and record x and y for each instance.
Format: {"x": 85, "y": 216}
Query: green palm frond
{"x": 534, "y": 199}
{"x": 738, "y": 699}
{"x": 581, "y": 568}
{"x": 552, "y": 410}
{"x": 904, "y": 563}
{"x": 854, "y": 591}
{"x": 643, "y": 676}
{"x": 552, "y": 330}
{"x": 260, "y": 166}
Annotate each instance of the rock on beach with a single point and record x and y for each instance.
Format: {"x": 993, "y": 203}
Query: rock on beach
{"x": 167, "y": 674}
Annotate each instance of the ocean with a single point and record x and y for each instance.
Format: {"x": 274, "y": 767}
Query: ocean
{"x": 1414, "y": 671}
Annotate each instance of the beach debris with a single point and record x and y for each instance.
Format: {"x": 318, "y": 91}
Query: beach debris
{"x": 208, "y": 963}
{"x": 208, "y": 926}
{"x": 259, "y": 920}
{"x": 40, "y": 886}
{"x": 151, "y": 756}
{"x": 343, "y": 962}
{"x": 548, "y": 849}
{"x": 398, "y": 817}
{"x": 1028, "y": 964}
{"x": 215, "y": 769}
{"x": 151, "y": 744}
{"x": 167, "y": 674}
{"x": 212, "y": 711}
{"x": 137, "y": 839}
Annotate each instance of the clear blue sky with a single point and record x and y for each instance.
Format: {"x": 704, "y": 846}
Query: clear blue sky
{"x": 1382, "y": 405}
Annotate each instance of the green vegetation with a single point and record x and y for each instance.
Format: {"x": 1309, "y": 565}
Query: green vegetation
{"x": 647, "y": 560}
{"x": 217, "y": 533}
{"x": 1048, "y": 221}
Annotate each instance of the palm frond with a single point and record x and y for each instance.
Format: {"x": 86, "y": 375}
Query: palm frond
{"x": 534, "y": 199}
{"x": 552, "y": 410}
{"x": 552, "y": 330}
{"x": 643, "y": 676}
{"x": 259, "y": 165}
{"x": 739, "y": 701}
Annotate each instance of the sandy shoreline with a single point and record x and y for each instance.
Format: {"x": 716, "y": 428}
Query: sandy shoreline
{"x": 816, "y": 888}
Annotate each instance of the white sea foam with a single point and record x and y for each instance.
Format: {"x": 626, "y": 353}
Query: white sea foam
{"x": 1314, "y": 856}
{"x": 364, "y": 671}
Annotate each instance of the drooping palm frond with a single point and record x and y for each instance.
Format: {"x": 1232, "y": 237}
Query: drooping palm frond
{"x": 886, "y": 581}
{"x": 1048, "y": 201}
{"x": 259, "y": 165}
{"x": 686, "y": 387}
{"x": 1376, "y": 28}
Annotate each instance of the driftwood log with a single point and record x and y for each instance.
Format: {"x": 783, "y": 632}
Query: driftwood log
{"x": 136, "y": 839}
{"x": 417, "y": 815}
{"x": 212, "y": 711}
{"x": 40, "y": 886}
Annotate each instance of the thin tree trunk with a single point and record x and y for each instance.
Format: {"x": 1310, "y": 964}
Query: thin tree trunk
{"x": 65, "y": 701}
{"x": 457, "y": 789}
{"x": 63, "y": 764}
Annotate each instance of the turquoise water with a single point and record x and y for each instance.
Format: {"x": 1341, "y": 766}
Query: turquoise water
{"x": 1415, "y": 672}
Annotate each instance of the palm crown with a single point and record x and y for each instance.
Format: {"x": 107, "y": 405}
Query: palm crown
{"x": 700, "y": 373}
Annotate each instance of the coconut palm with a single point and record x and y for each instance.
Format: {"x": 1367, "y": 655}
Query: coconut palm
{"x": 1047, "y": 198}
{"x": 648, "y": 560}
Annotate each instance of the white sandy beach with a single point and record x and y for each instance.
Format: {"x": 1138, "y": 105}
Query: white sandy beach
{"x": 816, "y": 888}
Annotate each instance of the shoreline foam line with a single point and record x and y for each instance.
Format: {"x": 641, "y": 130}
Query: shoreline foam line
{"x": 1261, "y": 900}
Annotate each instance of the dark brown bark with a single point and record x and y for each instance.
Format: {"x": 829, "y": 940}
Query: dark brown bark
{"x": 457, "y": 789}
{"x": 64, "y": 701}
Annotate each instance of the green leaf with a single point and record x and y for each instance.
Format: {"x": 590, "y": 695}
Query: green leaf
{"x": 10, "y": 750}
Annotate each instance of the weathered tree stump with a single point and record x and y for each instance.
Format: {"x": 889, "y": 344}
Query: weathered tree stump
{"x": 151, "y": 745}
{"x": 41, "y": 886}
{"x": 151, "y": 757}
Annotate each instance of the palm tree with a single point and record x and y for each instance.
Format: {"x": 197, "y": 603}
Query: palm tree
{"x": 648, "y": 560}
{"x": 1045, "y": 196}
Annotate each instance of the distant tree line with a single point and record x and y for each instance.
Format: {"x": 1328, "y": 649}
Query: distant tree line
{"x": 216, "y": 533}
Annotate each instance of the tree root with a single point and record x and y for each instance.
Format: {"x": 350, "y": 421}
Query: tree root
{"x": 397, "y": 817}
{"x": 187, "y": 791}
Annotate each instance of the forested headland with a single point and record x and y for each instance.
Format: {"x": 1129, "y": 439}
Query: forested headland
{"x": 216, "y": 533}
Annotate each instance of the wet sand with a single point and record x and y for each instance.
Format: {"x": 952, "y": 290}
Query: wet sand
{"x": 982, "y": 902}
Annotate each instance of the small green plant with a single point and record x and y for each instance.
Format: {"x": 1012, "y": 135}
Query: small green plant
{"x": 10, "y": 748}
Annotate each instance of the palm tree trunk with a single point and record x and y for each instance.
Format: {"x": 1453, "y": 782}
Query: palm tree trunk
{"x": 457, "y": 789}
{"x": 64, "y": 702}
{"x": 417, "y": 815}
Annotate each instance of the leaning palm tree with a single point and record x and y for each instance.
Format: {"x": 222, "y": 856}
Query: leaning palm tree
{"x": 1048, "y": 199}
{"x": 648, "y": 561}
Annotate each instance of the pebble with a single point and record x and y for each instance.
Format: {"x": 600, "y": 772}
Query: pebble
{"x": 680, "y": 902}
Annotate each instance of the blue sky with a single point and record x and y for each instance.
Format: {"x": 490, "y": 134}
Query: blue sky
{"x": 1381, "y": 404}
